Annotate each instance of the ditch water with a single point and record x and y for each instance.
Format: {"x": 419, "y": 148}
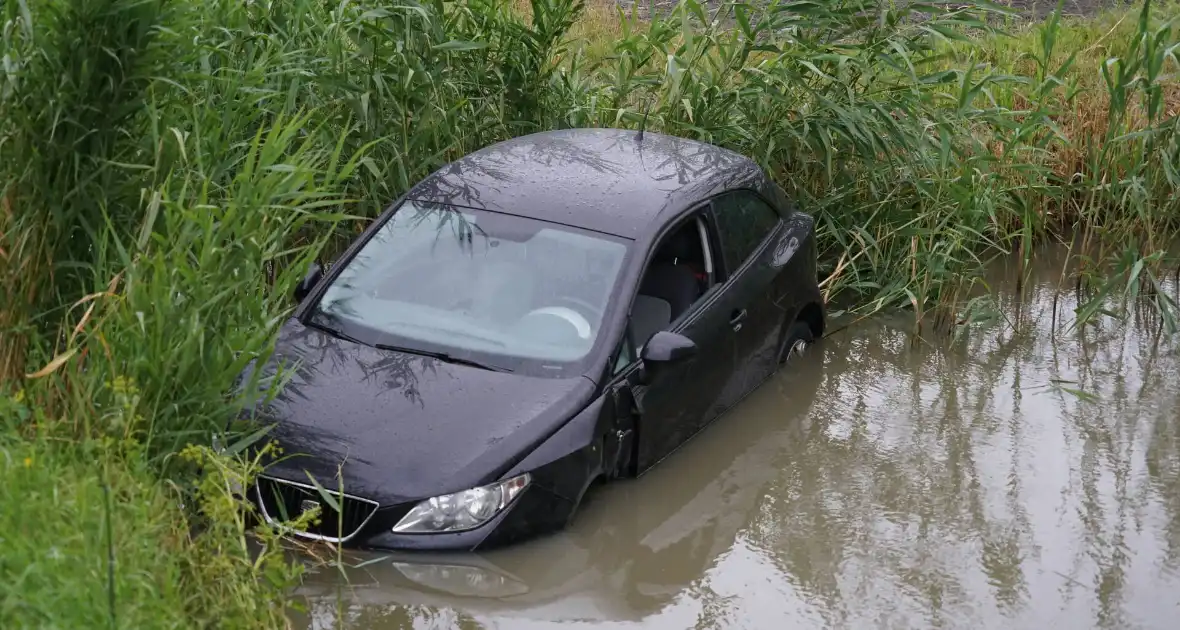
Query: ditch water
{"x": 1024, "y": 476}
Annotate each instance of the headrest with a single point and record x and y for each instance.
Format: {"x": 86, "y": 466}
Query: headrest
{"x": 681, "y": 245}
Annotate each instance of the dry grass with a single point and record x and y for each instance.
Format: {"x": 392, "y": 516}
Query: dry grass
{"x": 596, "y": 30}
{"x": 20, "y": 259}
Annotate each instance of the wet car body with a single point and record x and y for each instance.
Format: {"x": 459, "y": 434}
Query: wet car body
{"x": 388, "y": 422}
{"x": 629, "y": 555}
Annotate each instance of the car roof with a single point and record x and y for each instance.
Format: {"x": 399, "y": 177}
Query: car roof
{"x": 607, "y": 180}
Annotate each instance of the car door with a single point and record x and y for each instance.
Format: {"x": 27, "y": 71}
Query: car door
{"x": 673, "y": 405}
{"x": 747, "y": 230}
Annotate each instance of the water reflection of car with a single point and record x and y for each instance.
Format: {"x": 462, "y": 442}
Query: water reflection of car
{"x": 545, "y": 313}
{"x": 634, "y": 549}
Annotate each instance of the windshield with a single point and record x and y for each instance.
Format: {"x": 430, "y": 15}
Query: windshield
{"x": 469, "y": 283}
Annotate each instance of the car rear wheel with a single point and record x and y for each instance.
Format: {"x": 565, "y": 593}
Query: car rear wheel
{"x": 795, "y": 342}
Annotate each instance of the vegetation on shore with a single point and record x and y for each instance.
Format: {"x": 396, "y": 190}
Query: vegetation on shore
{"x": 168, "y": 170}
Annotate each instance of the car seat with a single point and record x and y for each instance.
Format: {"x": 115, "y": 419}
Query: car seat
{"x": 649, "y": 315}
{"x": 670, "y": 277}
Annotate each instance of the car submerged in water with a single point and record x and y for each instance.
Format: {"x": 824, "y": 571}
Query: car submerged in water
{"x": 545, "y": 313}
{"x": 634, "y": 553}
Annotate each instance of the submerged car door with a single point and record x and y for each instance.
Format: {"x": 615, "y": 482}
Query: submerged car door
{"x": 682, "y": 398}
{"x": 748, "y": 229}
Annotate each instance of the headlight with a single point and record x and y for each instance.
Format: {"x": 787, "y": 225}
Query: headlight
{"x": 461, "y": 510}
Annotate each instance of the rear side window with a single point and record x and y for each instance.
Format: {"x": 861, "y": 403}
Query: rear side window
{"x": 743, "y": 221}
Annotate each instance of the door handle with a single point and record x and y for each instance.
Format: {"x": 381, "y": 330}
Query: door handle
{"x": 737, "y": 318}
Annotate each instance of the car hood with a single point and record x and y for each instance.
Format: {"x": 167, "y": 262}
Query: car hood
{"x": 632, "y": 552}
{"x": 400, "y": 427}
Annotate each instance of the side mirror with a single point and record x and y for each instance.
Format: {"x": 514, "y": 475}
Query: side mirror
{"x": 314, "y": 274}
{"x": 664, "y": 349}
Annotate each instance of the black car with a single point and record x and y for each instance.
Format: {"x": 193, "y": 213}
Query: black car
{"x": 633, "y": 552}
{"x": 547, "y": 312}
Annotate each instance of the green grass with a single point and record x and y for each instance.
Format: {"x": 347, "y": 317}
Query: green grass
{"x": 93, "y": 540}
{"x": 169, "y": 169}
{"x": 926, "y": 147}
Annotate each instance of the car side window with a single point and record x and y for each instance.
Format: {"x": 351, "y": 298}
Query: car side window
{"x": 679, "y": 273}
{"x": 744, "y": 220}
{"x": 625, "y": 355}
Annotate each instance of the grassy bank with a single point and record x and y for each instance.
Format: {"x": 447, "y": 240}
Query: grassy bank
{"x": 169, "y": 169}
{"x": 92, "y": 539}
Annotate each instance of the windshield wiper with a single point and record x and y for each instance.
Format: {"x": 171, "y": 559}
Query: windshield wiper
{"x": 336, "y": 332}
{"x": 441, "y": 356}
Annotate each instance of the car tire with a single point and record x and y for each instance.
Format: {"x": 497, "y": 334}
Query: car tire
{"x": 795, "y": 342}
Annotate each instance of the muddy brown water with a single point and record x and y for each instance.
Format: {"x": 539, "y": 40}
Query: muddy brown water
{"x": 1020, "y": 477}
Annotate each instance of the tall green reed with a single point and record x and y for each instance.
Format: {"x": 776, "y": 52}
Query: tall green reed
{"x": 849, "y": 105}
{"x": 168, "y": 170}
{"x": 921, "y": 151}
{"x": 921, "y": 154}
{"x": 70, "y": 102}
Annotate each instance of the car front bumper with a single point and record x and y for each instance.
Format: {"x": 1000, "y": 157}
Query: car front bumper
{"x": 534, "y": 511}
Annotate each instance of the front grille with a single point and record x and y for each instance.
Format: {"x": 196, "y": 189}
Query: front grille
{"x": 283, "y": 500}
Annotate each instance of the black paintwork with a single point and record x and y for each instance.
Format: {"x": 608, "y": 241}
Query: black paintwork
{"x": 399, "y": 428}
{"x": 668, "y": 347}
{"x": 634, "y": 553}
{"x": 406, "y": 426}
{"x": 605, "y": 180}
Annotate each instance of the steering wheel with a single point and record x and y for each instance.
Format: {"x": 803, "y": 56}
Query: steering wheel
{"x": 584, "y": 311}
{"x": 576, "y": 319}
{"x": 585, "y": 308}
